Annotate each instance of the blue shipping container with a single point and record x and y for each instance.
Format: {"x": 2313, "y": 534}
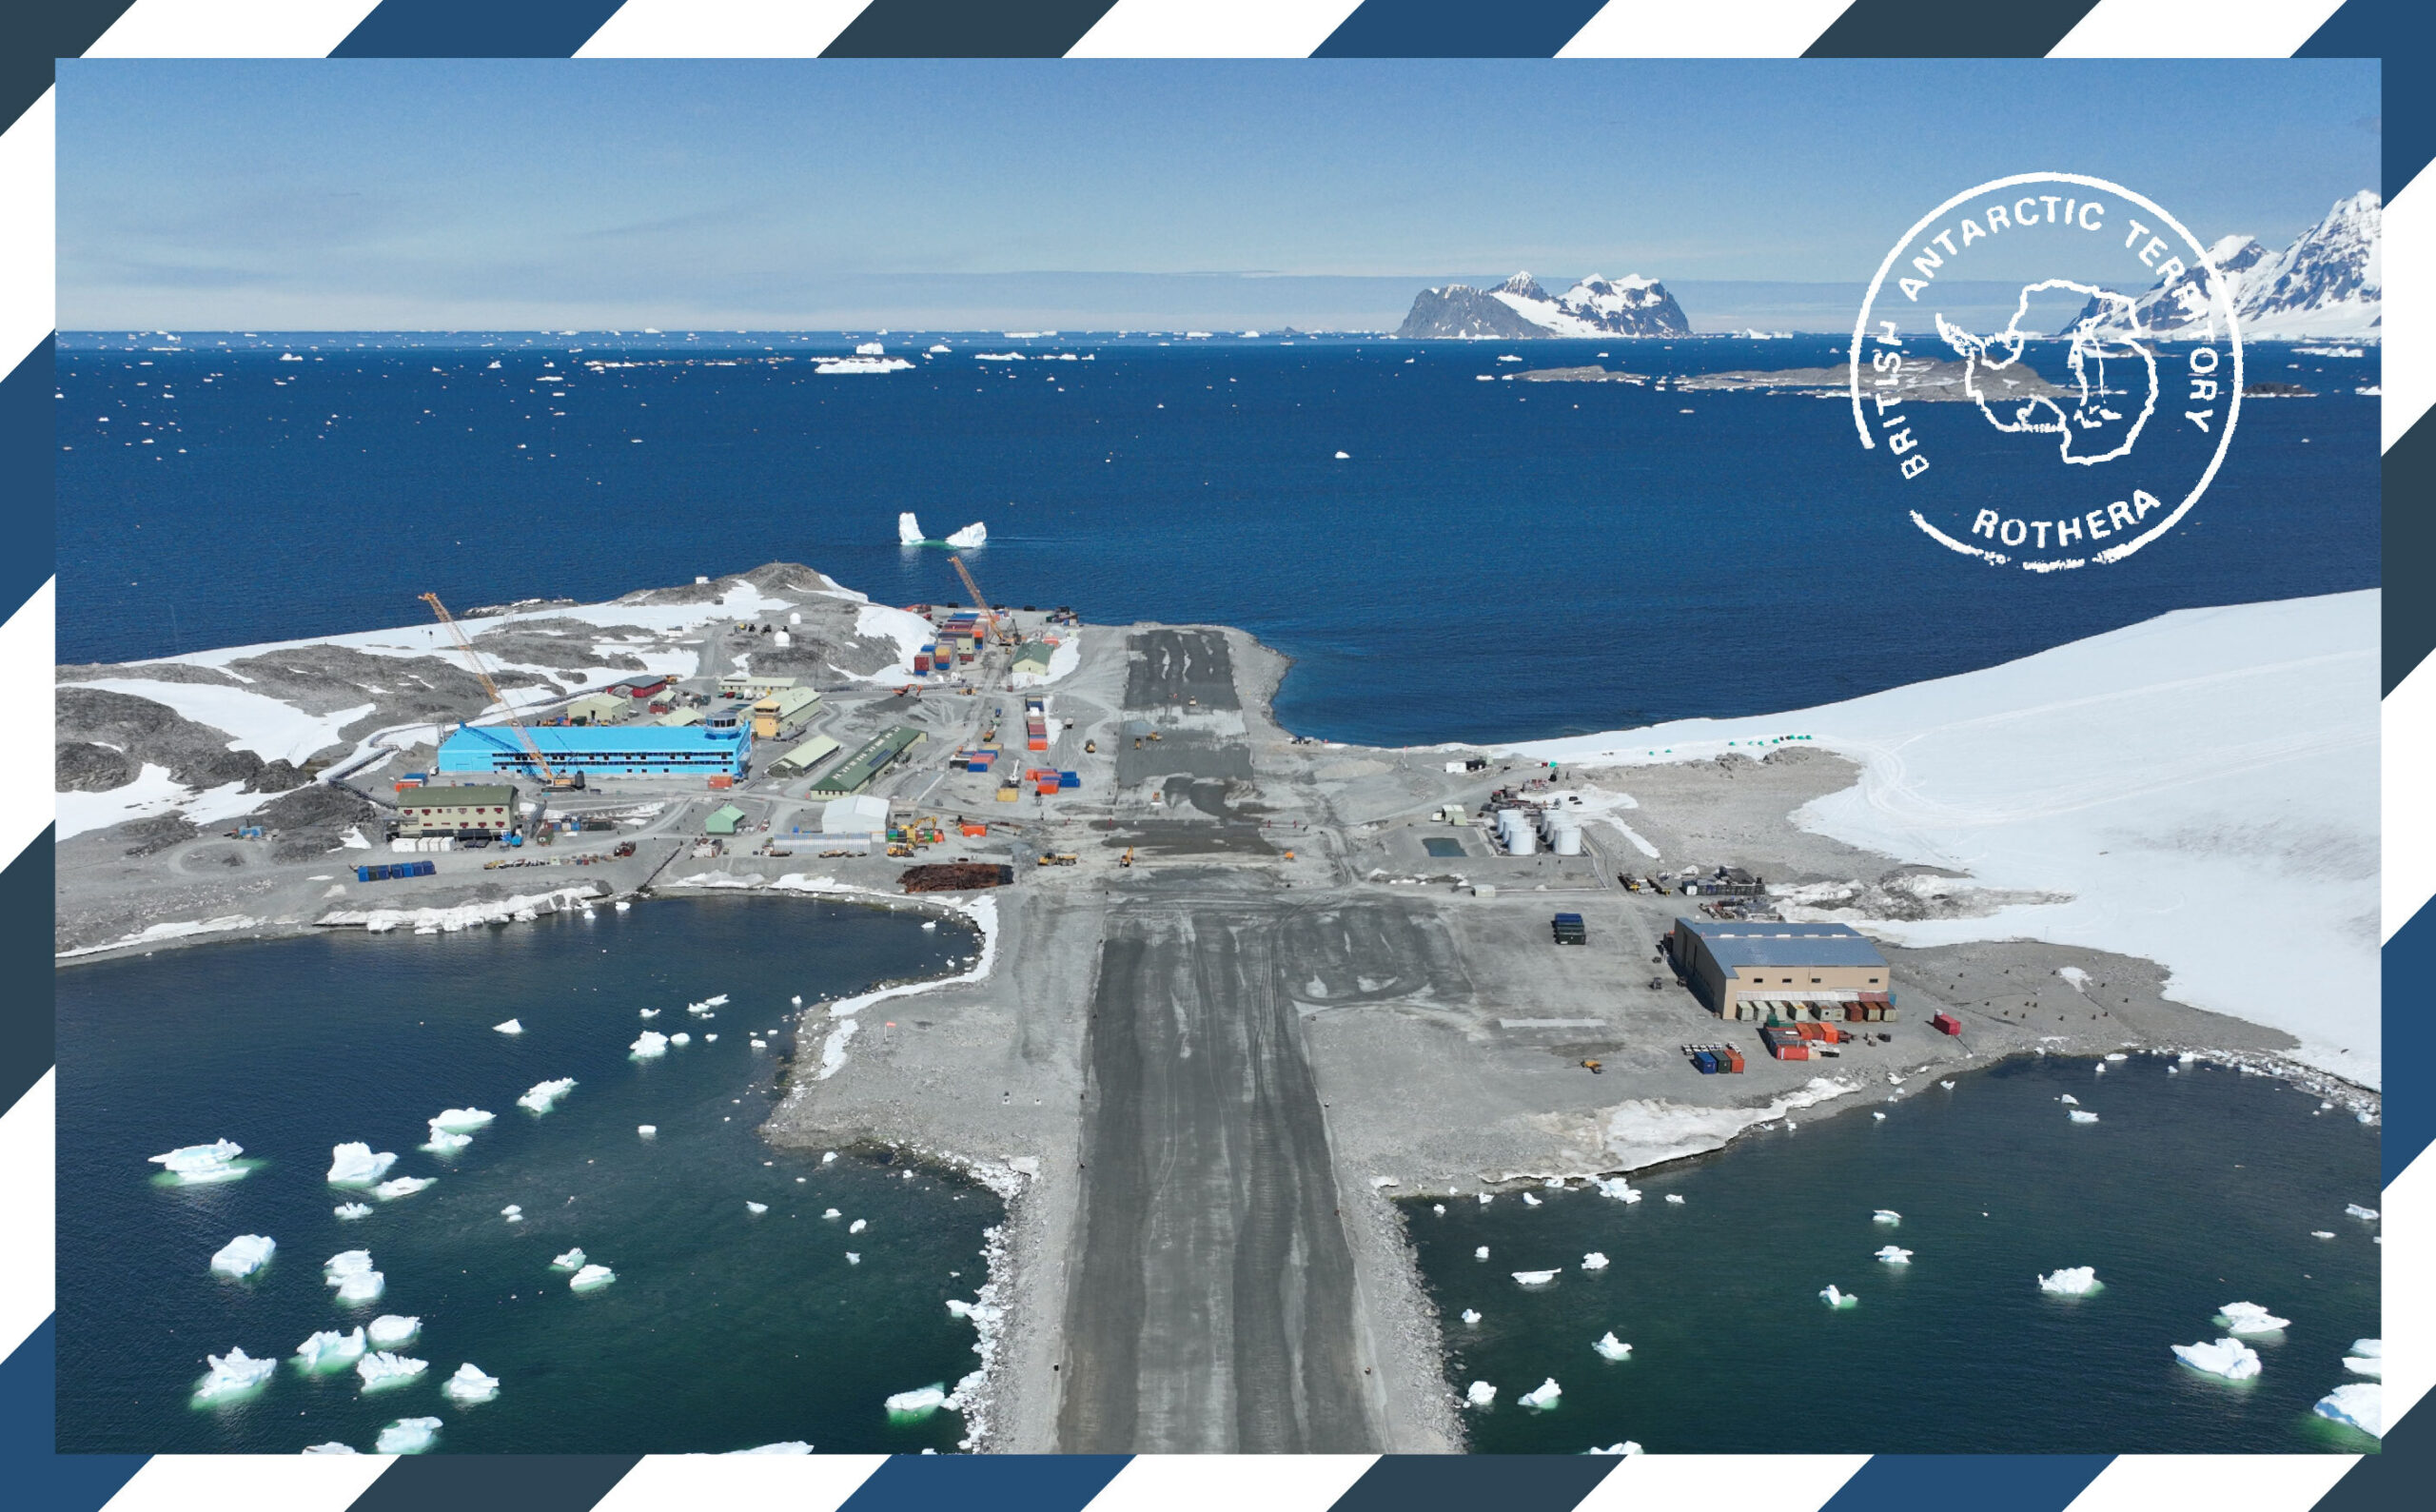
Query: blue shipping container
{"x": 1705, "y": 1061}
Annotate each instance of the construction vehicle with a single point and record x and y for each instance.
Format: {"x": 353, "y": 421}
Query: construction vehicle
{"x": 1594, "y": 1067}
{"x": 481, "y": 674}
{"x": 625, "y": 848}
{"x": 992, "y": 627}
{"x": 1090, "y": 748}
{"x": 1058, "y": 858}
{"x": 899, "y": 849}
{"x": 1128, "y": 858}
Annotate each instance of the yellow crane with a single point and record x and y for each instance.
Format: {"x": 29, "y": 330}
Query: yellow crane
{"x": 989, "y": 617}
{"x": 482, "y": 674}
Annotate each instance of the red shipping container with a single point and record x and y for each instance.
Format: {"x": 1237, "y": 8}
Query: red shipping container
{"x": 1946, "y": 1024}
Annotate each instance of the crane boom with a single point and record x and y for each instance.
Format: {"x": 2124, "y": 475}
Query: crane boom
{"x": 481, "y": 674}
{"x": 989, "y": 616}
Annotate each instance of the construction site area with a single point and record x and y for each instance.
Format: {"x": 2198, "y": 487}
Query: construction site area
{"x": 1246, "y": 989}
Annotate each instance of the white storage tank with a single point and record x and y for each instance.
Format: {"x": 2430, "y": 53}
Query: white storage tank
{"x": 1568, "y": 841}
{"x": 1521, "y": 842}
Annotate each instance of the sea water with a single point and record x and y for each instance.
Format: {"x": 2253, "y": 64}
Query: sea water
{"x": 724, "y": 1328}
{"x": 1491, "y": 560}
{"x": 2193, "y": 1190}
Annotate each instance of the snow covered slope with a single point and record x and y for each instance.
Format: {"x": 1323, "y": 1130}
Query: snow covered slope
{"x": 2330, "y": 282}
{"x": 2202, "y": 786}
{"x": 1520, "y": 308}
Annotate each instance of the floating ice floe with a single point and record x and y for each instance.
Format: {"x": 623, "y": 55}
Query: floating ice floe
{"x": 828, "y": 1155}
{"x": 2082, "y": 1115}
{"x": 2369, "y": 1214}
{"x": 390, "y": 1330}
{"x": 1886, "y": 1216}
{"x": 365, "y": 1285}
{"x": 513, "y": 1213}
{"x": 232, "y": 1373}
{"x": 1482, "y": 1253}
{"x": 381, "y": 1369}
{"x": 2361, "y": 1404}
{"x": 197, "y": 1164}
{"x": 461, "y": 1120}
{"x": 444, "y": 1143}
{"x": 330, "y": 1350}
{"x": 1624, "y": 1446}
{"x": 355, "y": 1165}
{"x": 1487, "y": 1197}
{"x": 344, "y": 1263}
{"x": 2367, "y": 1357}
{"x": 918, "y": 1404}
{"x": 623, "y": 905}
{"x": 2116, "y": 1055}
{"x": 1894, "y": 1255}
{"x": 1344, "y": 457}
{"x": 242, "y": 1255}
{"x": 349, "y": 1212}
{"x": 710, "y": 1039}
{"x": 2072, "y": 1281}
{"x": 591, "y": 1278}
{"x": 334, "y": 1447}
{"x": 721, "y": 1001}
{"x": 543, "y": 1096}
{"x": 681, "y": 1038}
{"x": 789, "y": 1447}
{"x": 396, "y": 1187}
{"x": 2247, "y": 1318}
{"x": 649, "y": 1012}
{"x": 1835, "y": 1298}
{"x": 1470, "y": 1316}
{"x": 1948, "y": 1086}
{"x": 857, "y": 1226}
{"x": 1529, "y": 1201}
{"x": 756, "y": 1207}
{"x": 2321, "y": 1234}
{"x": 758, "y": 1044}
{"x": 470, "y": 1384}
{"x": 1534, "y": 1277}
{"x": 649, "y": 1043}
{"x": 1878, "y": 1116}
{"x": 1481, "y": 1394}
{"x": 407, "y": 1436}
{"x": 1675, "y": 1197}
{"x": 852, "y": 1259}
{"x": 1617, "y": 1187}
{"x": 1612, "y": 1347}
{"x": 1438, "y": 1208}
{"x": 1593, "y": 1261}
{"x": 511, "y": 1027}
{"x": 2068, "y": 1100}
{"x": 1542, "y": 1398}
{"x": 831, "y": 1213}
{"x": 2230, "y": 1358}
{"x": 572, "y": 1260}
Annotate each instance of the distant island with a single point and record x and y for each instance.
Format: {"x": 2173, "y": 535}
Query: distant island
{"x": 1519, "y": 309}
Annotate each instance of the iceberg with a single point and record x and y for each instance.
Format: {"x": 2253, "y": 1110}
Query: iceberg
{"x": 756, "y": 1207}
{"x": 1619, "y": 1187}
{"x": 1469, "y": 1316}
{"x": 1593, "y": 1261}
{"x": 1344, "y": 457}
{"x": 2357, "y": 1211}
{"x": 857, "y": 1226}
{"x": 909, "y": 530}
{"x": 2246, "y": 1318}
{"x": 1623, "y": 1447}
{"x": 511, "y": 1027}
{"x": 355, "y": 1165}
{"x": 1894, "y": 1255}
{"x": 2080, "y": 1115}
{"x": 2230, "y": 1358}
{"x": 2069, "y": 1100}
{"x": 2072, "y": 1281}
{"x": 470, "y": 1384}
{"x": 1880, "y": 1117}
{"x": 1675, "y": 1197}
{"x": 1544, "y": 1397}
{"x": 1529, "y": 1201}
{"x": 918, "y": 1404}
{"x": 444, "y": 1143}
{"x": 572, "y": 1260}
{"x": 2117, "y": 1056}
{"x": 330, "y": 1350}
{"x": 334, "y": 1447}
{"x": 349, "y": 1212}
{"x": 831, "y": 1213}
{"x": 717, "y": 1001}
{"x": 196, "y": 1164}
{"x": 1835, "y": 1298}
{"x": 513, "y": 1213}
{"x": 591, "y": 1278}
{"x": 2367, "y": 1357}
{"x": 1487, "y": 1197}
{"x": 975, "y": 534}
{"x": 2321, "y": 1234}
{"x": 648, "y": 1044}
{"x": 461, "y": 1120}
{"x": 396, "y": 1187}
{"x": 2361, "y": 1404}
{"x": 1948, "y": 1086}
{"x": 680, "y": 1037}
{"x": 381, "y": 1369}
{"x": 1482, "y": 1253}
{"x": 1886, "y": 1216}
{"x": 650, "y": 1012}
{"x": 407, "y": 1436}
{"x": 1534, "y": 1277}
{"x": 242, "y": 1255}
{"x": 232, "y": 1373}
{"x": 646, "y": 1131}
{"x": 365, "y": 1286}
{"x": 390, "y": 1330}
{"x": 1612, "y": 1347}
{"x": 852, "y": 1259}
{"x": 344, "y": 1263}
{"x": 543, "y": 1096}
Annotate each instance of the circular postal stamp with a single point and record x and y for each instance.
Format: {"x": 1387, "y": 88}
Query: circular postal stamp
{"x": 2091, "y": 423}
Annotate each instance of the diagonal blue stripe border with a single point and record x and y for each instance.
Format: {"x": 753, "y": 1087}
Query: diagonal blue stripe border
{"x": 28, "y": 436}
{"x": 476, "y": 29}
{"x": 39, "y": 1476}
{"x": 1012, "y": 1483}
{"x": 2402, "y": 33}
{"x": 1942, "y": 28}
{"x": 966, "y": 29}
{"x": 2409, "y": 516}
{"x": 32, "y": 35}
{"x": 2409, "y": 1105}
{"x": 527, "y": 1482}
{"x": 1983, "y": 1483}
{"x": 1509, "y": 1483}
{"x": 2381, "y": 1482}
{"x": 28, "y": 1036}
{"x": 1457, "y": 28}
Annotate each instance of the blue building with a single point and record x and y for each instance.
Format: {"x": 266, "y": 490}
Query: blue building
{"x": 617, "y": 751}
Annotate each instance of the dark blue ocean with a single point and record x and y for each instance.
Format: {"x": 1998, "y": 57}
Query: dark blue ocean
{"x": 1492, "y": 559}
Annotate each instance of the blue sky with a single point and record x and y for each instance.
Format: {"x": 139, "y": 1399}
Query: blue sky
{"x": 514, "y": 195}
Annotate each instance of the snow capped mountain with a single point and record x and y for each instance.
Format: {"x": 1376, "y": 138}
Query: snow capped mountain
{"x": 2330, "y": 282}
{"x": 1518, "y": 309}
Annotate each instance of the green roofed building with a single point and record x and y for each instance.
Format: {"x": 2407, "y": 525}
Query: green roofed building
{"x": 1033, "y": 656}
{"x": 805, "y": 757}
{"x": 723, "y": 820}
{"x": 872, "y": 757}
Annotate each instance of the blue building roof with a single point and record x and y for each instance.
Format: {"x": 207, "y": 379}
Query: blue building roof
{"x": 1740, "y": 942}
{"x": 492, "y": 747}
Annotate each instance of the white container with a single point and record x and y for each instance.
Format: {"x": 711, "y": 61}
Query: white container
{"x": 1567, "y": 841}
{"x": 1521, "y": 842}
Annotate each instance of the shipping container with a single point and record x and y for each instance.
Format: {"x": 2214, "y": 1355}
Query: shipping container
{"x": 922, "y": 662}
{"x": 723, "y": 781}
{"x": 1067, "y": 779}
{"x": 1706, "y": 1061}
{"x": 1733, "y": 1059}
{"x": 1946, "y": 1024}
